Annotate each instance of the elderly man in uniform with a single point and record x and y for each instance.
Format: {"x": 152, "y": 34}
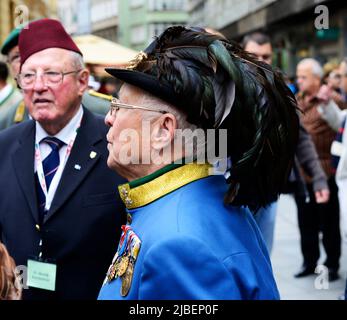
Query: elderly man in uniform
{"x": 188, "y": 235}
{"x": 61, "y": 213}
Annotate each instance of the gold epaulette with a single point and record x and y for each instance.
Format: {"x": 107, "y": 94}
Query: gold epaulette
{"x": 100, "y": 95}
{"x": 20, "y": 111}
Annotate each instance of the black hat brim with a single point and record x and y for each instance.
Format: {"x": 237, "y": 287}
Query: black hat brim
{"x": 147, "y": 82}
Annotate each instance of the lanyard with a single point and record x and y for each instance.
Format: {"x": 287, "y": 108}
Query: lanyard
{"x": 38, "y": 159}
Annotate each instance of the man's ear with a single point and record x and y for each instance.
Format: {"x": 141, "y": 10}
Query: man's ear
{"x": 83, "y": 79}
{"x": 163, "y": 131}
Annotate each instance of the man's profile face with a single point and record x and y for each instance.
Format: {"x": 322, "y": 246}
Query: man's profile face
{"x": 125, "y": 134}
{"x": 263, "y": 52}
{"x": 53, "y": 104}
{"x": 13, "y": 59}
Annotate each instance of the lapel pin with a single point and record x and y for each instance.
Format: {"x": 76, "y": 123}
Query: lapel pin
{"x": 77, "y": 167}
{"x": 92, "y": 155}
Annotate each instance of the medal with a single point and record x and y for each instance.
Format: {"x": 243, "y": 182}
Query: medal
{"x": 112, "y": 273}
{"x": 123, "y": 262}
{"x": 127, "y": 279}
{"x": 122, "y": 266}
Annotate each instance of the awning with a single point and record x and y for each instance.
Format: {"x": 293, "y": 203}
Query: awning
{"x": 100, "y": 51}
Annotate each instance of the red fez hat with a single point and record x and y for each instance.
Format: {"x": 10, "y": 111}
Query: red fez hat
{"x": 43, "y": 34}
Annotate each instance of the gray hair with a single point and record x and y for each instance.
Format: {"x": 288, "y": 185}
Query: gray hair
{"x": 153, "y": 102}
{"x": 76, "y": 60}
{"x": 150, "y": 101}
{"x": 316, "y": 68}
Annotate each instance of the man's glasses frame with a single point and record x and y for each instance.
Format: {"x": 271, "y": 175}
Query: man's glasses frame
{"x": 50, "y": 78}
{"x": 116, "y": 105}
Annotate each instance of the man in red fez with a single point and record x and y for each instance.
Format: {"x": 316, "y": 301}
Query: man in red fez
{"x": 60, "y": 216}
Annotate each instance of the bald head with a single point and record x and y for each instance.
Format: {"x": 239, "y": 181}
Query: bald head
{"x": 309, "y": 75}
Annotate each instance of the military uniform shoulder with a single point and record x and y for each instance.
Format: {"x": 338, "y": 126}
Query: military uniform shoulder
{"x": 96, "y": 94}
{"x": 96, "y": 102}
{"x": 20, "y": 112}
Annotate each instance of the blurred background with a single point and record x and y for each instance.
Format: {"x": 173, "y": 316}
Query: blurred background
{"x": 133, "y": 23}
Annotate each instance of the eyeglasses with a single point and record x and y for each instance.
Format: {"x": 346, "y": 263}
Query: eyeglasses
{"x": 116, "y": 105}
{"x": 50, "y": 78}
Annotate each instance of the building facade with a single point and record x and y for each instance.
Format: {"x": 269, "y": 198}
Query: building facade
{"x": 291, "y": 25}
{"x": 104, "y": 18}
{"x": 15, "y": 12}
{"x": 141, "y": 20}
{"x": 98, "y": 17}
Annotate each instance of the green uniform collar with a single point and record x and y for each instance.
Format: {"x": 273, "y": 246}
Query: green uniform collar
{"x": 161, "y": 183}
{"x": 140, "y": 181}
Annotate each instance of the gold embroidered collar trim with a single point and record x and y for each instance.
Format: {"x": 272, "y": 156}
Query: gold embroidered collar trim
{"x": 162, "y": 185}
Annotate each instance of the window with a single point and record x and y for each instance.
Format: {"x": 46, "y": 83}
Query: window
{"x": 138, "y": 34}
{"x": 136, "y": 3}
{"x": 166, "y": 5}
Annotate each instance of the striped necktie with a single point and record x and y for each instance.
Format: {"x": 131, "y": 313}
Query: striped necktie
{"x": 50, "y": 166}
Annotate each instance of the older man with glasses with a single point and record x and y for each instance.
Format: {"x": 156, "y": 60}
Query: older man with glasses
{"x": 93, "y": 101}
{"x": 59, "y": 212}
{"x": 189, "y": 233}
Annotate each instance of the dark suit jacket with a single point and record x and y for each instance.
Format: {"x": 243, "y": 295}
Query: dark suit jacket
{"x": 81, "y": 230}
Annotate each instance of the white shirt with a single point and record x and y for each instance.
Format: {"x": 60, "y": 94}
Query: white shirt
{"x": 66, "y": 135}
{"x": 4, "y": 92}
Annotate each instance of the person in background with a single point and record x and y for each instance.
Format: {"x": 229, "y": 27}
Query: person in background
{"x": 109, "y": 86}
{"x": 17, "y": 113}
{"x": 337, "y": 120}
{"x": 334, "y": 81}
{"x": 316, "y": 216}
{"x": 306, "y": 156}
{"x": 259, "y": 44}
{"x": 9, "y": 95}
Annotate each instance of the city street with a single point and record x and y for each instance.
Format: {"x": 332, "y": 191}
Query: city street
{"x": 287, "y": 259}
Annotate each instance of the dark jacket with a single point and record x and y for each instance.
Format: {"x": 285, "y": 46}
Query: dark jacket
{"x": 306, "y": 159}
{"x": 81, "y": 230}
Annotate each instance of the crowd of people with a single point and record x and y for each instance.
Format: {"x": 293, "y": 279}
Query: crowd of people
{"x": 173, "y": 220}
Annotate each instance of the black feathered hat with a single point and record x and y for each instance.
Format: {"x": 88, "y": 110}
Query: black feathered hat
{"x": 218, "y": 85}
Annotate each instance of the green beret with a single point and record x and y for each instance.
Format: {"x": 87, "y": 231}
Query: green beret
{"x": 12, "y": 40}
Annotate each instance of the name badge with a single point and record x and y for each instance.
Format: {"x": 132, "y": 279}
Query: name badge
{"x": 41, "y": 275}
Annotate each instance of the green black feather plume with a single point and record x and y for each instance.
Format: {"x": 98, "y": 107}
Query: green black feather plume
{"x": 224, "y": 87}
